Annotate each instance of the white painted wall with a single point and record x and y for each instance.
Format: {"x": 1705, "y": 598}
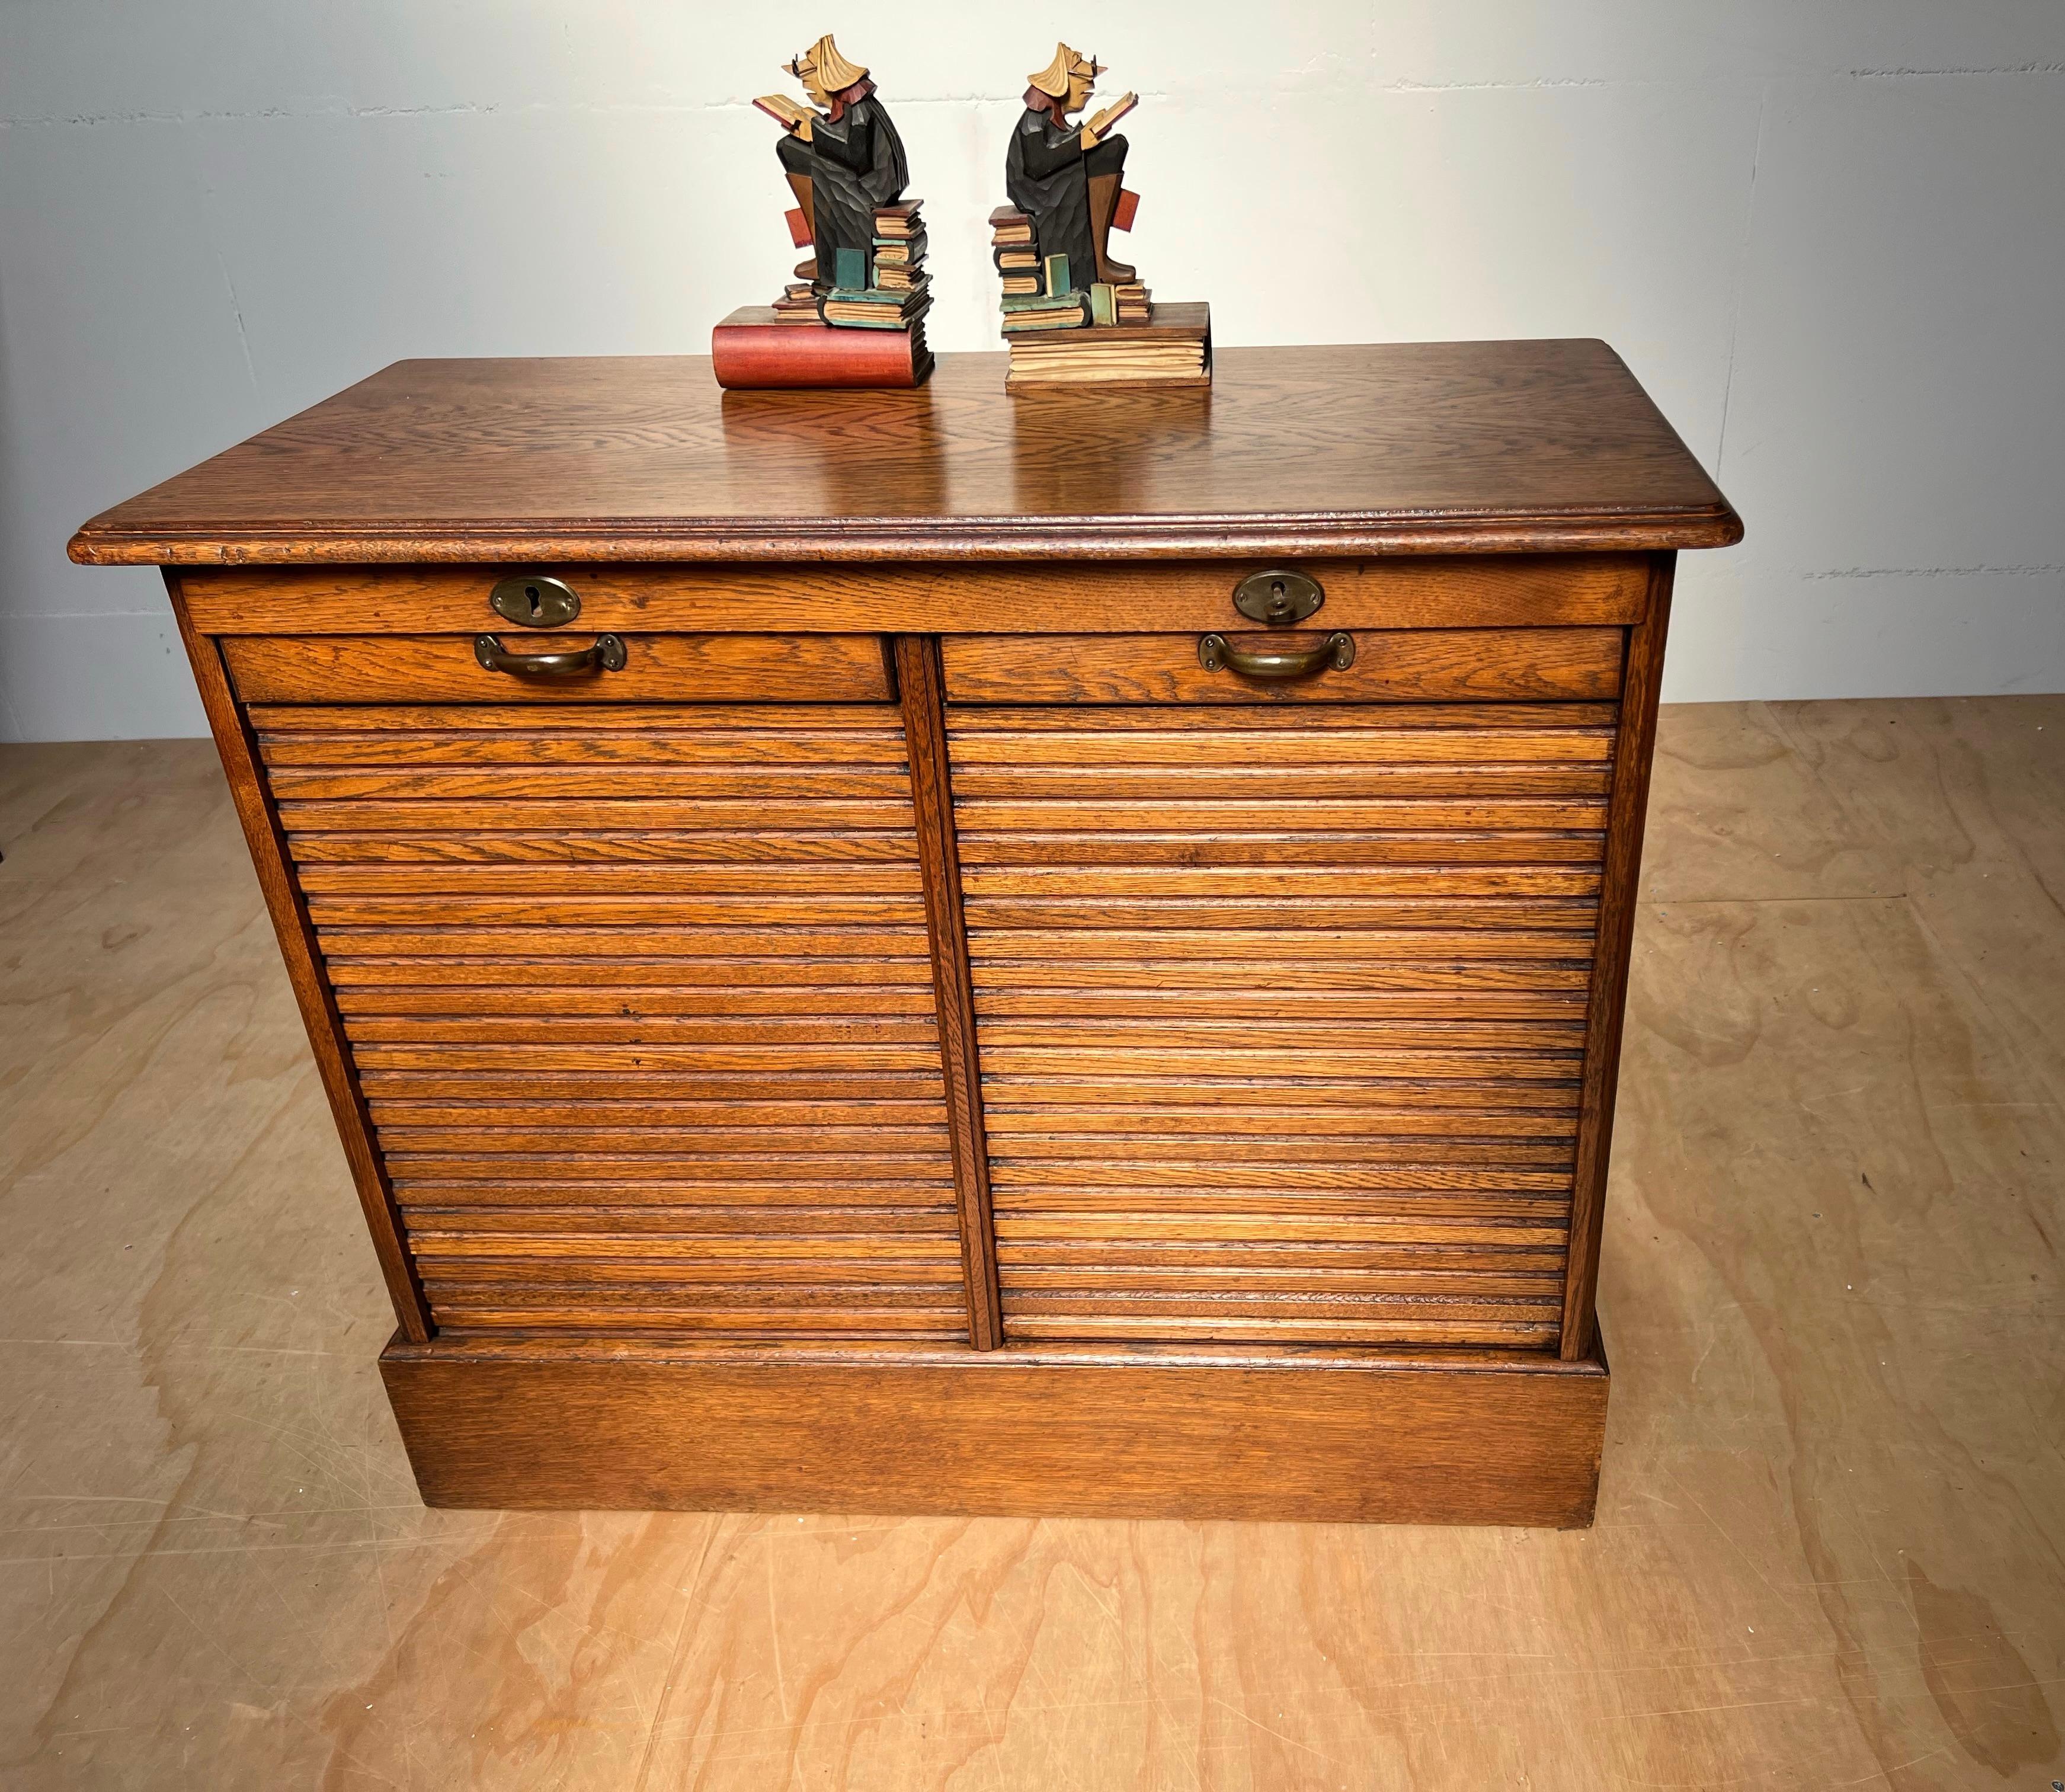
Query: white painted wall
{"x": 1828, "y": 234}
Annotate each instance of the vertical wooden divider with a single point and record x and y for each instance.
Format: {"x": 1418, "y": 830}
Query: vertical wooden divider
{"x": 1640, "y": 684}
{"x": 234, "y": 742}
{"x": 922, "y": 686}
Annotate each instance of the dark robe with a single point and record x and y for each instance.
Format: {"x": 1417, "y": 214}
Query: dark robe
{"x": 1047, "y": 176}
{"x": 854, "y": 164}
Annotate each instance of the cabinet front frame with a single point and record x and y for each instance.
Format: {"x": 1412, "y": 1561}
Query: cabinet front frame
{"x": 911, "y": 607}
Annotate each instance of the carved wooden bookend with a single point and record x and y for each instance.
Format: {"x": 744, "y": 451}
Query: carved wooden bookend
{"x": 1073, "y": 315}
{"x": 854, "y": 315}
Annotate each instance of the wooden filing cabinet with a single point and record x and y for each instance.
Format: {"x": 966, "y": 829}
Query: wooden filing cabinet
{"x": 902, "y": 994}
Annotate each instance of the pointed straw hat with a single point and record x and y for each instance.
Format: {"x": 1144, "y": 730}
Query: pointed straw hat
{"x": 1053, "y": 80}
{"x": 833, "y": 72}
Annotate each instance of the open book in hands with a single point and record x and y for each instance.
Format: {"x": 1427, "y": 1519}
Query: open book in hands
{"x": 1111, "y": 114}
{"x": 782, "y": 109}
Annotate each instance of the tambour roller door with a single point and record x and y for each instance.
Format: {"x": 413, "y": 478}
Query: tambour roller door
{"x": 1281, "y": 1015}
{"x": 640, "y": 1000}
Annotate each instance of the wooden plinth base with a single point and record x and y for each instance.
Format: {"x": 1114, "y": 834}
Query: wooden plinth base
{"x": 1108, "y": 355}
{"x": 1436, "y": 1437}
{"x": 751, "y": 351}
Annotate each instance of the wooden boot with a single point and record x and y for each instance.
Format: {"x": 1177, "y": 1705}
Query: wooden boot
{"x": 1104, "y": 201}
{"x": 800, "y": 184}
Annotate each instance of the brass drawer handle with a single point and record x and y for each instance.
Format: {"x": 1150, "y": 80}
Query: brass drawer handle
{"x": 1337, "y": 650}
{"x": 606, "y": 655}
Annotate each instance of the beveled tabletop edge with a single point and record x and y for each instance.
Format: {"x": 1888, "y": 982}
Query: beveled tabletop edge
{"x": 917, "y": 539}
{"x": 177, "y": 523}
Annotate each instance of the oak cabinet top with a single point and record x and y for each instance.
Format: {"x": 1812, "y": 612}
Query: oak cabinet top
{"x": 1443, "y": 448}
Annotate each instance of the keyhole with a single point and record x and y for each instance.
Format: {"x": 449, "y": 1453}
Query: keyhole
{"x": 537, "y": 610}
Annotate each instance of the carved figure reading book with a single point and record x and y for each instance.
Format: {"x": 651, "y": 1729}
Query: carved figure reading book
{"x": 1066, "y": 178}
{"x": 844, "y": 162}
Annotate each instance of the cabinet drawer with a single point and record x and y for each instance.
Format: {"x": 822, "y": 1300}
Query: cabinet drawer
{"x": 657, "y": 668}
{"x": 1435, "y": 665}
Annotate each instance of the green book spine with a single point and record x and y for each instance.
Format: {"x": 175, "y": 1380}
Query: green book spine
{"x": 889, "y": 296}
{"x": 897, "y": 316}
{"x": 1042, "y": 302}
{"x": 1025, "y": 322}
{"x": 1057, "y": 274}
{"x": 1103, "y": 305}
{"x": 849, "y": 267}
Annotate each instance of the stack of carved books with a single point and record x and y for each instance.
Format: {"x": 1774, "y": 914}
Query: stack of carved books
{"x": 862, "y": 325}
{"x": 1173, "y": 347}
{"x": 899, "y": 247}
{"x": 1063, "y": 333}
{"x": 886, "y": 287}
{"x": 1130, "y": 301}
{"x": 883, "y": 287}
{"x": 1037, "y": 294}
{"x": 797, "y": 304}
{"x": 1017, "y": 260}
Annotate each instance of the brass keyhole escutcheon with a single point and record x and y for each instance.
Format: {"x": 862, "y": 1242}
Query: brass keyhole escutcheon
{"x": 534, "y": 601}
{"x": 1278, "y": 598}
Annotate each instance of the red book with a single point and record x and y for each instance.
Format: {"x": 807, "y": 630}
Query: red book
{"x": 750, "y": 351}
{"x": 1121, "y": 214}
{"x": 800, "y": 227}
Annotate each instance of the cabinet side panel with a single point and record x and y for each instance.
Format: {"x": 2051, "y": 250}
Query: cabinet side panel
{"x": 258, "y": 812}
{"x": 1606, "y": 1006}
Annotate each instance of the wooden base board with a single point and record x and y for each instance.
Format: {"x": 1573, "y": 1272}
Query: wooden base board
{"x": 1185, "y": 322}
{"x": 753, "y": 351}
{"x": 1099, "y": 382}
{"x": 1293, "y": 1433}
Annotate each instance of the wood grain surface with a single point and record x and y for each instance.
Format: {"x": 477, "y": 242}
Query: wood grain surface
{"x": 1435, "y": 666}
{"x": 667, "y": 1100}
{"x": 428, "y": 668}
{"x": 1377, "y": 448}
{"x": 1163, "y": 1003}
{"x": 1437, "y": 591}
{"x": 1306, "y": 1435}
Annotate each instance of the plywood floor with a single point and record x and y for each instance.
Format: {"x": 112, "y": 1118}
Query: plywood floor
{"x": 1831, "y": 1542}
